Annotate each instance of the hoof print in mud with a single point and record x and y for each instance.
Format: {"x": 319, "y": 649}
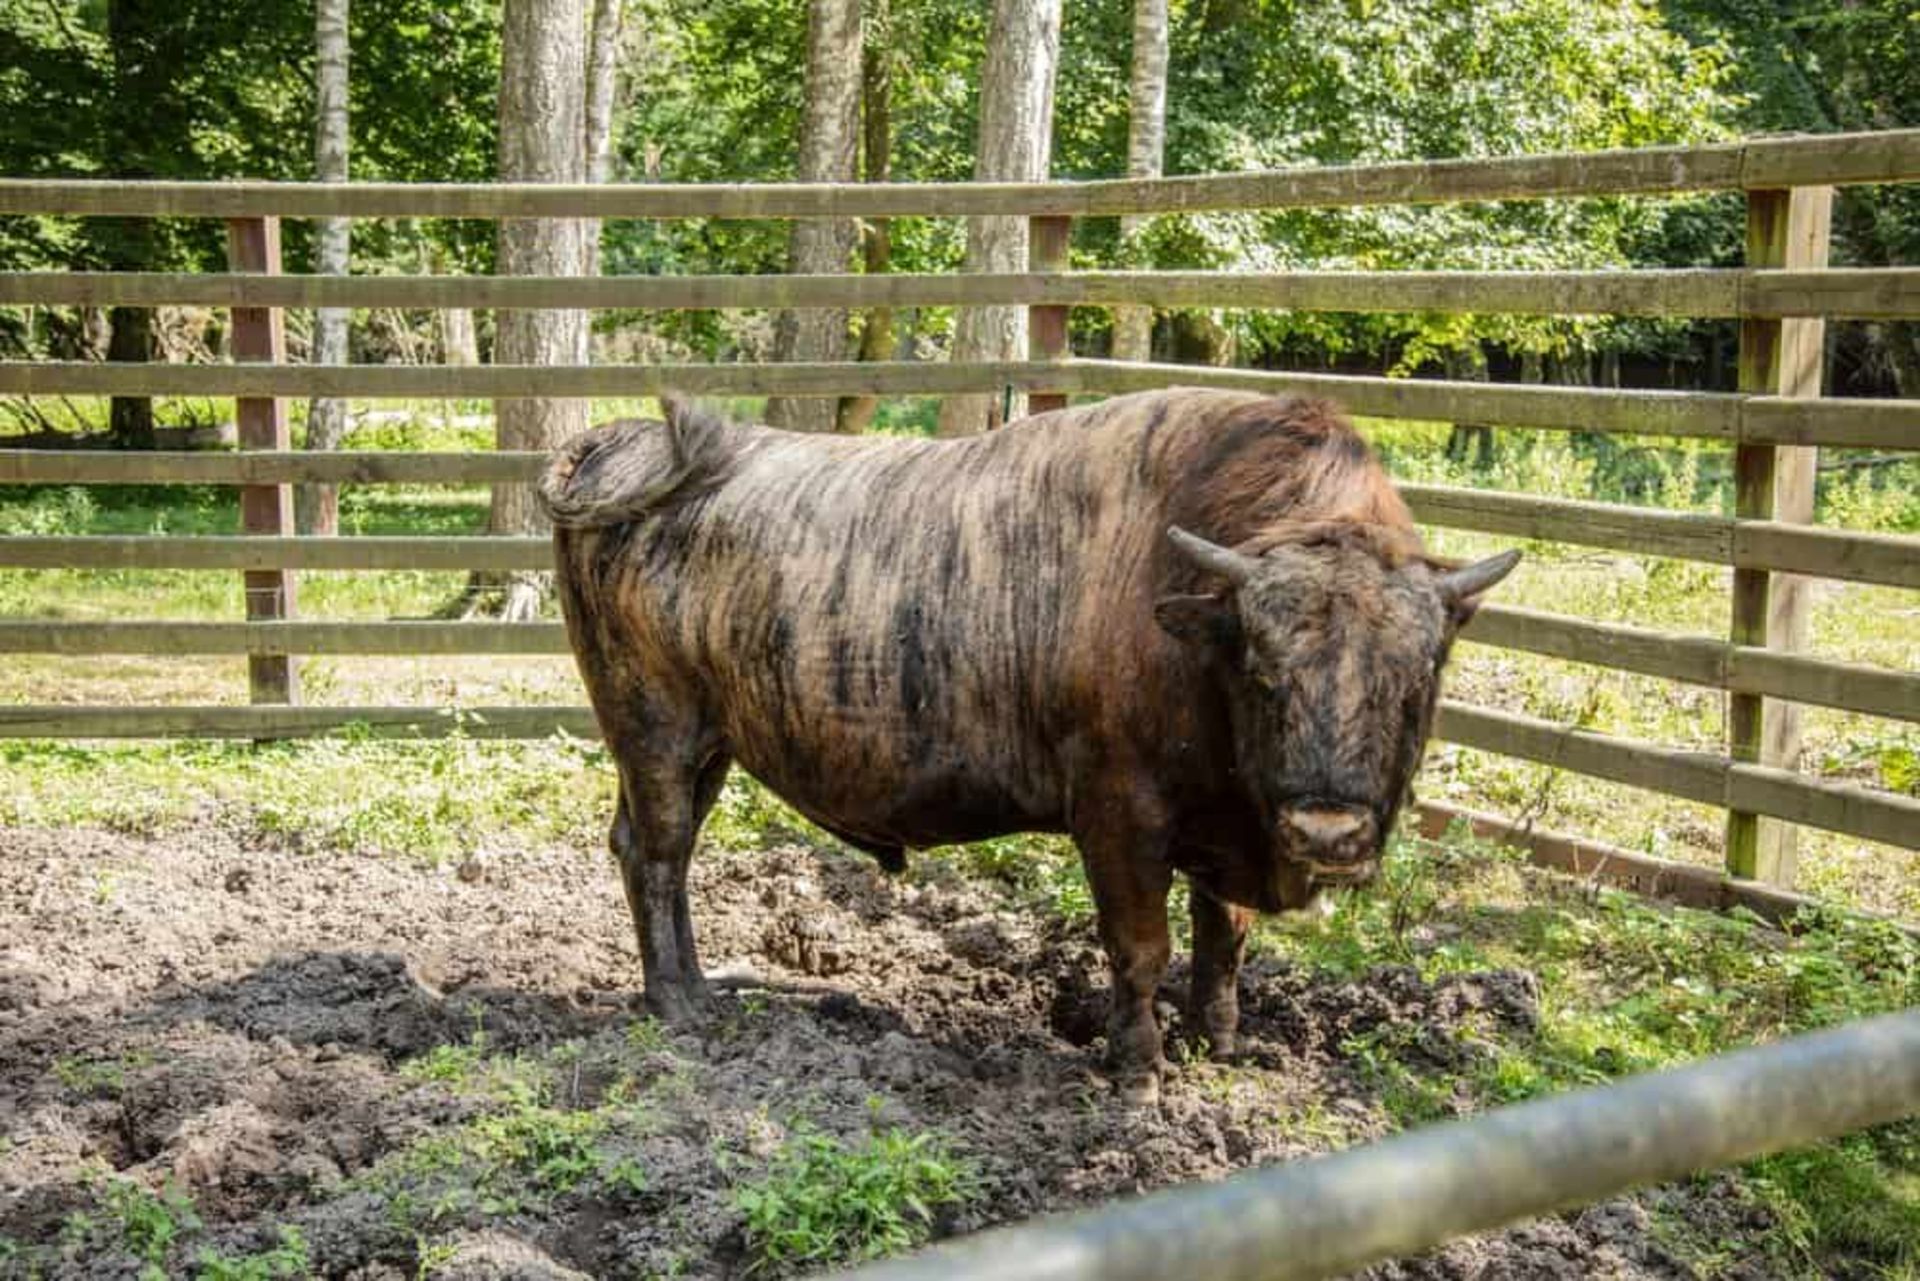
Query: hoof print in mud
{"x": 808, "y": 940}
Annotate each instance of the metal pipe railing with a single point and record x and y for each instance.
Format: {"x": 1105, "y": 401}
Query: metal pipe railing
{"x": 1336, "y": 1213}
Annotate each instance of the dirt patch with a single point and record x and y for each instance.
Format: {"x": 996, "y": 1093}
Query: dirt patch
{"x": 257, "y": 1029}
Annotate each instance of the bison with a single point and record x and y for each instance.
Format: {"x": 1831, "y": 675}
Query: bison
{"x": 1194, "y": 630}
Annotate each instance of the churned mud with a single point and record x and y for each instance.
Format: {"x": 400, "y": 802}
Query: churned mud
{"x": 252, "y": 1032}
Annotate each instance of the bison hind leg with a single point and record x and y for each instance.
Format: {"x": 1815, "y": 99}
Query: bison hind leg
{"x": 655, "y": 824}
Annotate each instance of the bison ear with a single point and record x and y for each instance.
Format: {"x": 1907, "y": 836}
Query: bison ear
{"x": 1211, "y": 621}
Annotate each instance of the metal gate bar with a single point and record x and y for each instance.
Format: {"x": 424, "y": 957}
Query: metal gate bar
{"x": 1333, "y": 1214}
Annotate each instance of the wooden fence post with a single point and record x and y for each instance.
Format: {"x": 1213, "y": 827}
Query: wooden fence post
{"x": 1047, "y": 241}
{"x": 1785, "y": 229}
{"x": 253, "y": 245}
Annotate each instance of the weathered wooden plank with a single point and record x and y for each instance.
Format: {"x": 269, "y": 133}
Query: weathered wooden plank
{"x": 1658, "y": 413}
{"x": 1874, "y": 293}
{"x": 90, "y": 721}
{"x": 509, "y": 382}
{"x": 1698, "y": 660}
{"x": 1692, "y": 776}
{"x": 1857, "y": 293}
{"x": 1846, "y": 424}
{"x": 1891, "y": 156}
{"x": 1873, "y": 815}
{"x": 264, "y": 467}
{"x": 1709, "y": 780}
{"x": 1687, "y": 884}
{"x": 1646, "y": 531}
{"x": 149, "y": 551}
{"x": 401, "y": 638}
{"x": 1886, "y": 817}
{"x": 1875, "y": 691}
{"x": 1886, "y": 425}
{"x": 1891, "y": 559}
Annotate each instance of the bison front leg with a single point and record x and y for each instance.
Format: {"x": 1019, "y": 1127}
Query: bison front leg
{"x": 655, "y": 824}
{"x": 1219, "y": 945}
{"x": 1130, "y": 885}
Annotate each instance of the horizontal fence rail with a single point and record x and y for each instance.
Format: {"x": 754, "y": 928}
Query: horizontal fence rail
{"x": 533, "y": 382}
{"x": 385, "y": 637}
{"x": 447, "y": 552}
{"x": 270, "y": 721}
{"x": 1861, "y": 293}
{"x": 1696, "y": 660}
{"x": 1777, "y": 420}
{"x": 1755, "y": 164}
{"x": 1889, "y": 559}
{"x": 1330, "y": 1215}
{"x": 1694, "y": 776}
{"x": 1866, "y": 424}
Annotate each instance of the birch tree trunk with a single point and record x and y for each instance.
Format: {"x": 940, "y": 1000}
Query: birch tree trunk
{"x": 1016, "y": 142}
{"x": 603, "y": 49}
{"x": 319, "y": 505}
{"x": 1146, "y": 149}
{"x": 542, "y": 139}
{"x": 876, "y": 235}
{"x": 829, "y": 147}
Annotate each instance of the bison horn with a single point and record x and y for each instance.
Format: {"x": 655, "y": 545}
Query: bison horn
{"x": 1480, "y": 577}
{"x": 1224, "y": 561}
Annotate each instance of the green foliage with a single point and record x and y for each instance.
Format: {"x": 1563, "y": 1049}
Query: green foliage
{"x": 822, "y": 1202}
{"x": 287, "y": 1259}
{"x": 130, "y": 1218}
{"x": 52, "y": 512}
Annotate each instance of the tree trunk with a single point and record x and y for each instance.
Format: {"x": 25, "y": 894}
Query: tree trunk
{"x": 603, "y": 51}
{"x": 130, "y": 419}
{"x": 1016, "y": 142}
{"x": 1146, "y": 149}
{"x": 542, "y": 139}
{"x": 876, "y": 329}
{"x": 319, "y": 505}
{"x": 829, "y": 147}
{"x": 132, "y": 137}
{"x": 1469, "y": 364}
{"x": 458, "y": 345}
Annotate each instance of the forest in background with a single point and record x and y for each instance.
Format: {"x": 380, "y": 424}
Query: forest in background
{"x": 717, "y": 90}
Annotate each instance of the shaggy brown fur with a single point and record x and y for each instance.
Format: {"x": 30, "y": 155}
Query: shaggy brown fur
{"x": 917, "y": 642}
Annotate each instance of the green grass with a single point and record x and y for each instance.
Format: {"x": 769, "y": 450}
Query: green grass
{"x": 822, "y": 1201}
{"x": 1628, "y": 986}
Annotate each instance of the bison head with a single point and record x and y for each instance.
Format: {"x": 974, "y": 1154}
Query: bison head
{"x": 1330, "y": 643}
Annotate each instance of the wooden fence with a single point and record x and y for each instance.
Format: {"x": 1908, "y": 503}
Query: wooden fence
{"x": 1774, "y": 424}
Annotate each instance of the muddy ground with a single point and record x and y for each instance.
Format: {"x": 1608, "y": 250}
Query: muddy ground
{"x": 209, "y": 1011}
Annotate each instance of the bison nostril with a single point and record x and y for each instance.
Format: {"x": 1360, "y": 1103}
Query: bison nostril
{"x": 1331, "y": 833}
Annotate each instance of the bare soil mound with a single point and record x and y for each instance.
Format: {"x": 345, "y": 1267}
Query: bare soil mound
{"x": 430, "y": 1070}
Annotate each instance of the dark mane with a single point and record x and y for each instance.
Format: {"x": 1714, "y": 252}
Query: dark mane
{"x": 1288, "y": 470}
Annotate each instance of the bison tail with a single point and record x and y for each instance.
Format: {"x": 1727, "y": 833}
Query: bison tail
{"x": 627, "y": 470}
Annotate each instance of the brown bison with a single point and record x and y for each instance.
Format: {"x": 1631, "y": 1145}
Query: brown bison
{"x": 1195, "y": 630}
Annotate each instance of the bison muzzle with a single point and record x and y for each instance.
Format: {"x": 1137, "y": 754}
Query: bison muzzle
{"x": 1194, "y": 630}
